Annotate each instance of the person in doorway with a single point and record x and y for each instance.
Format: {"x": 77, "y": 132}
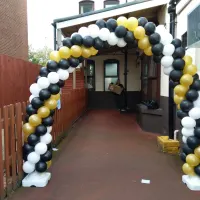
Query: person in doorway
{"x": 120, "y": 99}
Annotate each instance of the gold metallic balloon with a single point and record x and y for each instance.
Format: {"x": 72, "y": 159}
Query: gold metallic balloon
{"x": 188, "y": 60}
{"x": 187, "y": 169}
{"x": 132, "y": 23}
{"x": 143, "y": 43}
{"x": 148, "y": 51}
{"x": 51, "y": 104}
{"x": 180, "y": 90}
{"x": 197, "y": 152}
{"x": 186, "y": 80}
{"x": 49, "y": 163}
{"x": 122, "y": 21}
{"x": 86, "y": 52}
{"x": 190, "y": 69}
{"x": 192, "y": 160}
{"x": 54, "y": 55}
{"x": 64, "y": 52}
{"x": 76, "y": 51}
{"x": 55, "y": 97}
{"x": 27, "y": 130}
{"x": 139, "y": 32}
{"x": 178, "y": 99}
{"x": 178, "y": 107}
{"x": 35, "y": 120}
{"x": 93, "y": 51}
{"x": 43, "y": 112}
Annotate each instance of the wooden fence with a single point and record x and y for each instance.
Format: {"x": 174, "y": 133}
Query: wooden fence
{"x": 73, "y": 104}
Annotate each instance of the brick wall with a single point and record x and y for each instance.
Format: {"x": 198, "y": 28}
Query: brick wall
{"x": 13, "y": 28}
{"x": 80, "y": 79}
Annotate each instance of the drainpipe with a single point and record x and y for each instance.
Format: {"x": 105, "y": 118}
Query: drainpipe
{"x": 54, "y": 34}
{"x": 125, "y": 74}
{"x": 171, "y": 105}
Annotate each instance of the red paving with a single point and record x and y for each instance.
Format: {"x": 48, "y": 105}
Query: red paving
{"x": 105, "y": 159}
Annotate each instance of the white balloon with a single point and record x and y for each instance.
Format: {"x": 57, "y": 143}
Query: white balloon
{"x": 33, "y": 157}
{"x": 70, "y": 69}
{"x": 40, "y": 148}
{"x": 47, "y": 138}
{"x": 188, "y": 122}
{"x": 167, "y": 70}
{"x": 166, "y": 38}
{"x": 43, "y": 82}
{"x": 93, "y": 30}
{"x": 184, "y": 139}
{"x": 121, "y": 42}
{"x": 197, "y": 102}
{"x": 49, "y": 129}
{"x": 28, "y": 167}
{"x": 112, "y": 39}
{"x": 168, "y": 49}
{"x": 104, "y": 34}
{"x": 83, "y": 31}
{"x": 187, "y": 132}
{"x": 63, "y": 74}
{"x": 31, "y": 97}
{"x": 167, "y": 61}
{"x": 53, "y": 77}
{"x": 35, "y": 89}
{"x": 160, "y": 29}
{"x": 194, "y": 113}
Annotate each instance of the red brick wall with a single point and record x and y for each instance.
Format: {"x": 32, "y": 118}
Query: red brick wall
{"x": 80, "y": 79}
{"x": 13, "y": 28}
{"x": 68, "y": 84}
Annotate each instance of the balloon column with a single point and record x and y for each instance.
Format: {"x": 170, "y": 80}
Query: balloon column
{"x": 131, "y": 32}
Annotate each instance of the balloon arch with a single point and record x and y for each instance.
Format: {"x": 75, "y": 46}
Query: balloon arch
{"x": 154, "y": 41}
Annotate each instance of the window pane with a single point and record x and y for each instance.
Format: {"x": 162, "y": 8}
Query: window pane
{"x": 108, "y": 81}
{"x": 86, "y": 8}
{"x": 90, "y": 83}
{"x": 90, "y": 70}
{"x": 111, "y": 69}
{"x": 110, "y": 5}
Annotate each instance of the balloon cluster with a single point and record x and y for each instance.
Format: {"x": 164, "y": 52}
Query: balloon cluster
{"x": 123, "y": 32}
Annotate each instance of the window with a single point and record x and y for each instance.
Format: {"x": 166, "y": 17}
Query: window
{"x": 86, "y": 6}
{"x": 184, "y": 40}
{"x": 111, "y": 72}
{"x": 90, "y": 75}
{"x": 110, "y": 3}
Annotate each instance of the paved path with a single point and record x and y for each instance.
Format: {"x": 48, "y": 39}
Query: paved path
{"x": 106, "y": 159}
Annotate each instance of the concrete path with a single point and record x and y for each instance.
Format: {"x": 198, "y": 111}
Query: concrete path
{"x": 105, "y": 159}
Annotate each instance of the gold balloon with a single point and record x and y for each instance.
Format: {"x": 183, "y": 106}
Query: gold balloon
{"x": 93, "y": 51}
{"x": 55, "y": 96}
{"x": 86, "y": 52}
{"x": 188, "y": 60}
{"x": 139, "y": 32}
{"x": 190, "y": 69}
{"x": 192, "y": 160}
{"x": 178, "y": 99}
{"x": 178, "y": 107}
{"x": 197, "y": 152}
{"x": 64, "y": 52}
{"x": 187, "y": 169}
{"x": 122, "y": 21}
{"x": 43, "y": 112}
{"x": 35, "y": 120}
{"x": 180, "y": 90}
{"x": 144, "y": 43}
{"x": 76, "y": 51}
{"x": 54, "y": 55}
{"x": 49, "y": 163}
{"x": 51, "y": 104}
{"x": 186, "y": 80}
{"x": 132, "y": 23}
{"x": 148, "y": 51}
{"x": 28, "y": 129}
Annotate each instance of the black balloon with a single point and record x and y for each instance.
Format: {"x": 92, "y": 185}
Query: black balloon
{"x": 179, "y": 52}
{"x": 173, "y": 84}
{"x": 154, "y": 38}
{"x": 129, "y": 37}
{"x": 197, "y": 170}
{"x": 41, "y": 166}
{"x": 52, "y": 112}
{"x": 30, "y": 110}
{"x": 101, "y": 23}
{"x": 183, "y": 156}
{"x": 46, "y": 157}
{"x": 61, "y": 83}
{"x": 52, "y": 66}
{"x": 186, "y": 105}
{"x": 77, "y": 39}
{"x": 88, "y": 41}
{"x": 175, "y": 75}
{"x": 106, "y": 45}
{"x": 33, "y": 139}
{"x": 192, "y": 95}
{"x": 193, "y": 142}
{"x": 63, "y": 64}
{"x": 120, "y": 31}
{"x": 157, "y": 49}
{"x": 186, "y": 149}
{"x": 26, "y": 118}
{"x": 177, "y": 43}
{"x": 48, "y": 121}
{"x": 150, "y": 28}
{"x": 74, "y": 62}
{"x": 197, "y": 123}
{"x": 196, "y": 77}
{"x": 81, "y": 59}
{"x": 27, "y": 148}
{"x": 142, "y": 21}
{"x": 133, "y": 44}
{"x": 54, "y": 89}
{"x": 44, "y": 94}
{"x": 178, "y": 64}
{"x": 197, "y": 132}
{"x": 157, "y": 59}
{"x": 40, "y": 130}
{"x": 44, "y": 72}
{"x": 67, "y": 42}
{"x": 37, "y": 103}
{"x": 98, "y": 43}
{"x": 49, "y": 147}
{"x": 181, "y": 114}
{"x": 195, "y": 85}
{"x": 111, "y": 24}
